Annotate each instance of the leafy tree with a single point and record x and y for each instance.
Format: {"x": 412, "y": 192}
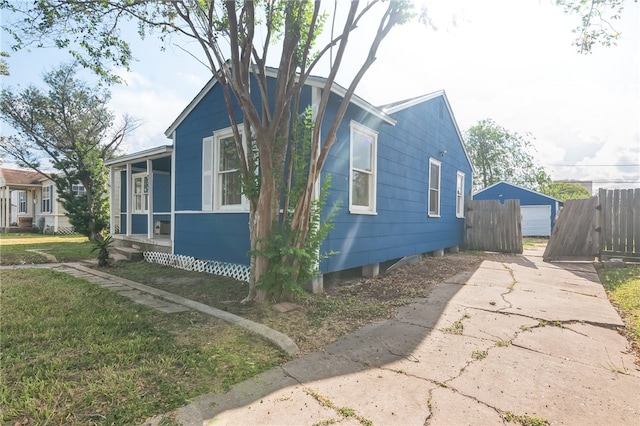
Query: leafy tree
{"x": 564, "y": 191}
{"x": 236, "y": 39}
{"x": 70, "y": 127}
{"x": 500, "y": 155}
{"x": 597, "y": 21}
{"x": 4, "y": 67}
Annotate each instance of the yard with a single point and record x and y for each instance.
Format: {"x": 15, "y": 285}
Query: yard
{"x": 75, "y": 353}
{"x": 623, "y": 289}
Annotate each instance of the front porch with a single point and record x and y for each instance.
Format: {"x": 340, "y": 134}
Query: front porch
{"x": 141, "y": 207}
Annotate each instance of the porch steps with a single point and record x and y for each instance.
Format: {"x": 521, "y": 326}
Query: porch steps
{"x": 129, "y": 252}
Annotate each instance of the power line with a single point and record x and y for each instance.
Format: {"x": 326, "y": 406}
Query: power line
{"x": 593, "y": 165}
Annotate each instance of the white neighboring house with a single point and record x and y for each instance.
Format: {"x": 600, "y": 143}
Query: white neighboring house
{"x": 28, "y": 201}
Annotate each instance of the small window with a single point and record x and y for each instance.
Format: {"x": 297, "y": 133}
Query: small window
{"x": 434, "y": 188}
{"x": 362, "y": 178}
{"x": 140, "y": 193}
{"x": 46, "y": 199}
{"x": 460, "y": 195}
{"x": 78, "y": 190}
{"x": 22, "y": 202}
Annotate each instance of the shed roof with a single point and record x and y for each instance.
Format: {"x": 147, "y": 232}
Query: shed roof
{"x": 518, "y": 187}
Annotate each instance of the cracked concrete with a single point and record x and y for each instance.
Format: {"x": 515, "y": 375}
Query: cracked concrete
{"x": 552, "y": 348}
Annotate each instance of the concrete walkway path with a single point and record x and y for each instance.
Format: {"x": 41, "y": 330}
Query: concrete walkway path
{"x": 518, "y": 339}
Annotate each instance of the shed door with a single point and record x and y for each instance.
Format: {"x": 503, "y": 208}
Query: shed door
{"x": 536, "y": 221}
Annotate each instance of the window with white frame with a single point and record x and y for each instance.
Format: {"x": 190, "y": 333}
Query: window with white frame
{"x": 221, "y": 173}
{"x": 45, "y": 206}
{"x": 362, "y": 177}
{"x": 78, "y": 189}
{"x": 140, "y": 193}
{"x": 22, "y": 202}
{"x": 460, "y": 194}
{"x": 434, "y": 187}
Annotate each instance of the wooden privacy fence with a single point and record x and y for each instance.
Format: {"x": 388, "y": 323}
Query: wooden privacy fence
{"x": 492, "y": 226}
{"x": 574, "y": 234}
{"x": 605, "y": 225}
{"x": 619, "y": 222}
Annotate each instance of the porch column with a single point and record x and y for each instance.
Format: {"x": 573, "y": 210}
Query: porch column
{"x": 129, "y": 199}
{"x": 4, "y": 191}
{"x": 112, "y": 197}
{"x": 150, "y": 195}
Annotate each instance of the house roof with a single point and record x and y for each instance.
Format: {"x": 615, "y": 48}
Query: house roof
{"x": 313, "y": 81}
{"x": 519, "y": 187}
{"x": 21, "y": 177}
{"x": 400, "y": 105}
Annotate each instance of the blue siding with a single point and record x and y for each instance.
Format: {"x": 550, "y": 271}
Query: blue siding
{"x": 506, "y": 191}
{"x": 139, "y": 223}
{"x": 161, "y": 193}
{"x": 223, "y": 237}
{"x": 401, "y": 226}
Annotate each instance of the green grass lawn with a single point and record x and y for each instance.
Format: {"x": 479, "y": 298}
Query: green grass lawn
{"x": 75, "y": 353}
{"x": 623, "y": 288}
{"x": 16, "y": 249}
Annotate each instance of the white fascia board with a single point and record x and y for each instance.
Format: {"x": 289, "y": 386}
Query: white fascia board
{"x": 152, "y": 153}
{"x": 312, "y": 81}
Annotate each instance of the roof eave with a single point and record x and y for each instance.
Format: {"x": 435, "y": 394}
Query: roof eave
{"x": 159, "y": 151}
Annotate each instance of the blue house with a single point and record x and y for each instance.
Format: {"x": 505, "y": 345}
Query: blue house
{"x": 539, "y": 211}
{"x": 399, "y": 172}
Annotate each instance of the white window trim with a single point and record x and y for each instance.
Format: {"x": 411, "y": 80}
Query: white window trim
{"x": 23, "y": 200}
{"x": 133, "y": 195}
{"x": 439, "y": 189}
{"x": 46, "y": 199}
{"x": 212, "y": 199}
{"x": 460, "y": 195}
{"x": 371, "y": 209}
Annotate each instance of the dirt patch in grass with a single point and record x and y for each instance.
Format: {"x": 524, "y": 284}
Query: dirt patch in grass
{"x": 349, "y": 302}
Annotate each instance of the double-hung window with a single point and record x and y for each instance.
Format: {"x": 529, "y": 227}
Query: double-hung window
{"x": 460, "y": 195}
{"x": 222, "y": 173}
{"x": 78, "y": 190}
{"x": 434, "y": 187}
{"x": 22, "y": 202}
{"x": 45, "y": 206}
{"x": 362, "y": 176}
{"x": 140, "y": 193}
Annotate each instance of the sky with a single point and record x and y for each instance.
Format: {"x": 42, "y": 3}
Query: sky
{"x": 512, "y": 62}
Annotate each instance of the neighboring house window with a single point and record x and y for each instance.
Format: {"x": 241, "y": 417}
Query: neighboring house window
{"x": 221, "y": 173}
{"x": 22, "y": 202}
{"x": 45, "y": 207}
{"x": 362, "y": 178}
{"x": 434, "y": 187}
{"x": 78, "y": 190}
{"x": 460, "y": 195}
{"x": 140, "y": 193}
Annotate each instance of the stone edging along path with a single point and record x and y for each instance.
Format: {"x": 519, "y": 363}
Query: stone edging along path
{"x": 124, "y": 287}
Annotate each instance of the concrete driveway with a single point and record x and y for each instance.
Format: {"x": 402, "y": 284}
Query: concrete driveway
{"x": 518, "y": 340}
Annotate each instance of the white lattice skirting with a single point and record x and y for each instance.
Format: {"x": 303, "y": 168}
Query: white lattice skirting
{"x": 233, "y": 270}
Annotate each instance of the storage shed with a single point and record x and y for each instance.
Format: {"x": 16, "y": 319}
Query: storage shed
{"x": 539, "y": 211}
